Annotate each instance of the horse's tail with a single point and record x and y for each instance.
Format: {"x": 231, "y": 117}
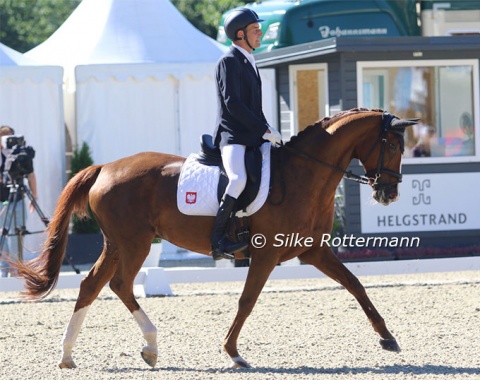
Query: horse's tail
{"x": 41, "y": 274}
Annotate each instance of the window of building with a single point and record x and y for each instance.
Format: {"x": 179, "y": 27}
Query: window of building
{"x": 444, "y": 94}
{"x": 308, "y": 95}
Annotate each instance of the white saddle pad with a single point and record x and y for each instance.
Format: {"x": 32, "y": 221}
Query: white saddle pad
{"x": 197, "y": 187}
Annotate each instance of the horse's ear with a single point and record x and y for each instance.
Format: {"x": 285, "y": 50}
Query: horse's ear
{"x": 403, "y": 123}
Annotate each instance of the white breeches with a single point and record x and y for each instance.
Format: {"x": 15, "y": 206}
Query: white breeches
{"x": 233, "y": 158}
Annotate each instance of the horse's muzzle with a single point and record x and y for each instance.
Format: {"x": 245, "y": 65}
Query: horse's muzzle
{"x": 386, "y": 194}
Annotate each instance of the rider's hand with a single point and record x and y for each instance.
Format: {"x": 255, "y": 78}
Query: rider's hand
{"x": 273, "y": 136}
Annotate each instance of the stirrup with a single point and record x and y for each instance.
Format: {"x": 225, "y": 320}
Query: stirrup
{"x": 217, "y": 254}
{"x": 230, "y": 247}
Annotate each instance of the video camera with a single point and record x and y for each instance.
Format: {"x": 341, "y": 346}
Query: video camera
{"x": 10, "y": 141}
{"x": 19, "y": 157}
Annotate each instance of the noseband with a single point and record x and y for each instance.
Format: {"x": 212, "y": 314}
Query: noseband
{"x": 371, "y": 176}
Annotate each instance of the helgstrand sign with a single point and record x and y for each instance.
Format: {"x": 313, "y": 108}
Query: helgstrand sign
{"x": 428, "y": 202}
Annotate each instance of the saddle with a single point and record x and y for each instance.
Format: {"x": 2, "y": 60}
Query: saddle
{"x": 203, "y": 180}
{"x": 210, "y": 156}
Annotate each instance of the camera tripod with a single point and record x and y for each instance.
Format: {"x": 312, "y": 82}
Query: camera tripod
{"x": 15, "y": 199}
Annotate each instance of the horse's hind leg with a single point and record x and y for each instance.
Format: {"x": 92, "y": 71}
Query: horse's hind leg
{"x": 122, "y": 286}
{"x": 326, "y": 261}
{"x": 90, "y": 287}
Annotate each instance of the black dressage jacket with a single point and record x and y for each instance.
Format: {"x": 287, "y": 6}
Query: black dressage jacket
{"x": 240, "y": 118}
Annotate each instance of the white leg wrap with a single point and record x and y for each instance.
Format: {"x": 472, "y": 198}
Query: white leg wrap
{"x": 148, "y": 329}
{"x": 71, "y": 333}
{"x": 239, "y": 362}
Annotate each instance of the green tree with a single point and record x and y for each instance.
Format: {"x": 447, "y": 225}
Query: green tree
{"x": 205, "y": 15}
{"x": 81, "y": 159}
{"x": 26, "y": 23}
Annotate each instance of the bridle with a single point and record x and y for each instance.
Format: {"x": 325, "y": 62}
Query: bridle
{"x": 371, "y": 176}
{"x": 376, "y": 174}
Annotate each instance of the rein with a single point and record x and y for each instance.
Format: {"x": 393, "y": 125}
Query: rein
{"x": 348, "y": 174}
{"x": 371, "y": 175}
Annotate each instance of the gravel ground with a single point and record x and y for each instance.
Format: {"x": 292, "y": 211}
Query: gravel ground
{"x": 299, "y": 329}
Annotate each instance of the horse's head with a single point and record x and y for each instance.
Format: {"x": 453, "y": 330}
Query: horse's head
{"x": 382, "y": 159}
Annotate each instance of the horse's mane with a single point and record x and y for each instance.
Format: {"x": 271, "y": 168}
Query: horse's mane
{"x": 323, "y": 124}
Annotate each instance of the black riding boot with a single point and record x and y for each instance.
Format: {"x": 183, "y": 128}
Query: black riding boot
{"x": 222, "y": 247}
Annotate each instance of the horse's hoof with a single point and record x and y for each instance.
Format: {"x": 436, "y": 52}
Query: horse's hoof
{"x": 390, "y": 345}
{"x": 68, "y": 364}
{"x": 149, "y": 358}
{"x": 239, "y": 363}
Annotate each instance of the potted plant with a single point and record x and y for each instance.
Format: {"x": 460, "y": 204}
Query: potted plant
{"x": 85, "y": 243}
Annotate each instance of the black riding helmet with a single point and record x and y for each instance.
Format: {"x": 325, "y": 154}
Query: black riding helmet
{"x": 237, "y": 20}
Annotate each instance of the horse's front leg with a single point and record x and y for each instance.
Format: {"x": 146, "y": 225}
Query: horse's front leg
{"x": 261, "y": 266}
{"x": 325, "y": 260}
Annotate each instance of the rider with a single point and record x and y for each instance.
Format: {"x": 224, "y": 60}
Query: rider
{"x": 240, "y": 121}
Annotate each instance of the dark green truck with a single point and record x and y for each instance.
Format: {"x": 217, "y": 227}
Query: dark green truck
{"x": 290, "y": 22}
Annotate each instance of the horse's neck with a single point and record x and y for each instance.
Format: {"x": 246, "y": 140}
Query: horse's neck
{"x": 311, "y": 159}
{"x": 348, "y": 133}
{"x": 333, "y": 146}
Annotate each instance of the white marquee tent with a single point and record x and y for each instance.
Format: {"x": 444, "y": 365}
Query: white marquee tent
{"x": 31, "y": 102}
{"x": 138, "y": 75}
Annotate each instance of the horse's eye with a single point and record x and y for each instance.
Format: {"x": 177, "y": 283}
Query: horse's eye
{"x": 392, "y": 146}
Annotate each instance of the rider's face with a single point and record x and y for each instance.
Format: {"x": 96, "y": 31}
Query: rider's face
{"x": 254, "y": 33}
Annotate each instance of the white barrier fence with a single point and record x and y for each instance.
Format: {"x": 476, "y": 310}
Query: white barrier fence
{"x": 156, "y": 281}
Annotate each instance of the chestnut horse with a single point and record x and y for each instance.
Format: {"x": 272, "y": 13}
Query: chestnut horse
{"x": 134, "y": 200}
